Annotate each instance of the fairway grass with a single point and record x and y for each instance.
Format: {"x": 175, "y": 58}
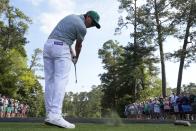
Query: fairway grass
{"x": 21, "y": 126}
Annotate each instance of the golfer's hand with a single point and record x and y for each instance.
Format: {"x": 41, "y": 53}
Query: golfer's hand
{"x": 74, "y": 59}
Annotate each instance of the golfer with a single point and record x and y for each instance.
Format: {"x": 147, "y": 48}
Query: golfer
{"x": 58, "y": 56}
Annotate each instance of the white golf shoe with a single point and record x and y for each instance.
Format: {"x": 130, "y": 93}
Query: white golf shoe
{"x": 58, "y": 121}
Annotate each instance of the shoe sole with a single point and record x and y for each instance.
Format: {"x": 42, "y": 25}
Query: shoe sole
{"x": 50, "y": 124}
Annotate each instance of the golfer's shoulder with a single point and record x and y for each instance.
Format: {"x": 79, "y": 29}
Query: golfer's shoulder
{"x": 75, "y": 23}
{"x": 78, "y": 21}
{"x": 75, "y": 19}
{"x": 72, "y": 17}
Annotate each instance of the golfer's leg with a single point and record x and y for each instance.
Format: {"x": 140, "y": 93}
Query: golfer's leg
{"x": 49, "y": 82}
{"x": 62, "y": 69}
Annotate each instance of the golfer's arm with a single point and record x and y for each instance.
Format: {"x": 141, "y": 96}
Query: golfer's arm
{"x": 78, "y": 48}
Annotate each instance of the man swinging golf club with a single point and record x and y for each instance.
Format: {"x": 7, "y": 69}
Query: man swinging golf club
{"x": 58, "y": 56}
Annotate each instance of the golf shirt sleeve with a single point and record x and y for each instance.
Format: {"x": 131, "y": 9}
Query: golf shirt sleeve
{"x": 81, "y": 32}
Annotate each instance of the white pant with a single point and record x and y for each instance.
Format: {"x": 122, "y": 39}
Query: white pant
{"x": 57, "y": 64}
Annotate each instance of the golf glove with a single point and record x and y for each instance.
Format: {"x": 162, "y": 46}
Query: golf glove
{"x": 74, "y": 59}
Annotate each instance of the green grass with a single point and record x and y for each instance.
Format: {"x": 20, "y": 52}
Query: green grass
{"x": 11, "y": 126}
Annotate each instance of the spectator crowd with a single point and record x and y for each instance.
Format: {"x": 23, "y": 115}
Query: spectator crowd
{"x": 10, "y": 108}
{"x": 177, "y": 107}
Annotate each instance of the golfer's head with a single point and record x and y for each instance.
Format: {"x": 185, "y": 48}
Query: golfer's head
{"x": 92, "y": 19}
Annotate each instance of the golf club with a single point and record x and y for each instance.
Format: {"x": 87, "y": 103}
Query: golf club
{"x": 75, "y": 72}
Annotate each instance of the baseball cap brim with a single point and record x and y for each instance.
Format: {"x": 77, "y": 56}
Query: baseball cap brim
{"x": 97, "y": 24}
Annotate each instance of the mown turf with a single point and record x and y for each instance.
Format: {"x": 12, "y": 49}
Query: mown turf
{"x": 5, "y": 126}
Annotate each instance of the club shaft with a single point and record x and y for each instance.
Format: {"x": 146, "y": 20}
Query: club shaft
{"x": 75, "y": 72}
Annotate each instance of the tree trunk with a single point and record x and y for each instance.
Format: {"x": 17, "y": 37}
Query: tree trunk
{"x": 135, "y": 46}
{"x": 183, "y": 53}
{"x": 160, "y": 42}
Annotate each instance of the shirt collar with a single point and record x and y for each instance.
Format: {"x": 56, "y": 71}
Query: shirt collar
{"x": 82, "y": 17}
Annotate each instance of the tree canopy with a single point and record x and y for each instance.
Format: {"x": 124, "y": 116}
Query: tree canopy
{"x": 17, "y": 80}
